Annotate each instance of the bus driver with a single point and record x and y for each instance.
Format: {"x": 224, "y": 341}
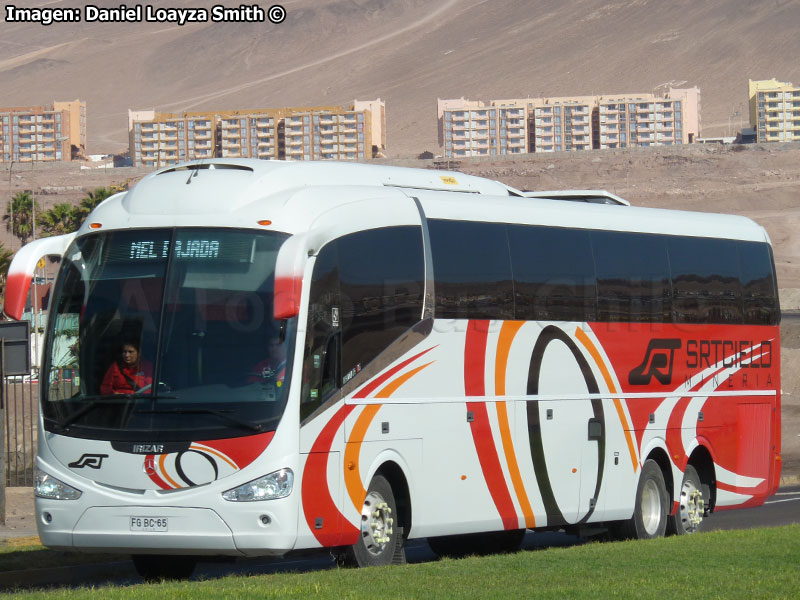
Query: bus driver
{"x": 129, "y": 374}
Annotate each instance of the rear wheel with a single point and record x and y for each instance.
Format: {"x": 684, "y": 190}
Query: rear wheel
{"x": 691, "y": 507}
{"x": 480, "y": 544}
{"x": 380, "y": 540}
{"x": 151, "y": 567}
{"x": 652, "y": 506}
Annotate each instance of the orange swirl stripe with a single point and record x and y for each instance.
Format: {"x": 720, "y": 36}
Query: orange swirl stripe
{"x": 507, "y": 333}
{"x": 352, "y": 476}
{"x": 161, "y": 460}
{"x": 216, "y": 453}
{"x": 584, "y": 339}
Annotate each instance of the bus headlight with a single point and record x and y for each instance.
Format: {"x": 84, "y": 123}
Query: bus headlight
{"x": 47, "y": 486}
{"x": 269, "y": 487}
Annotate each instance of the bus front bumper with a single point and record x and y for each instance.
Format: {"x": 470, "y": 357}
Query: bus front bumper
{"x": 159, "y": 530}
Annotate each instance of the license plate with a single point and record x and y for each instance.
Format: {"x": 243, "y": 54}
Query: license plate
{"x": 149, "y": 524}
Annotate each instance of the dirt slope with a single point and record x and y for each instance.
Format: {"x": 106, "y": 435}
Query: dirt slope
{"x": 407, "y": 52}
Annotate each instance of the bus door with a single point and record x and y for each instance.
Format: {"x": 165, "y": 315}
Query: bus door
{"x": 566, "y": 428}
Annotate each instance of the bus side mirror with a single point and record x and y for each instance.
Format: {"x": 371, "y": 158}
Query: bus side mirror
{"x": 289, "y": 277}
{"x": 21, "y": 270}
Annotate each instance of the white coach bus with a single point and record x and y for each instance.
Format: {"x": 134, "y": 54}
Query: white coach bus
{"x": 279, "y": 356}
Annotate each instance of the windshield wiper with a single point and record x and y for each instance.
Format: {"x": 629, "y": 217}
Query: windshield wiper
{"x": 94, "y": 401}
{"x": 223, "y": 414}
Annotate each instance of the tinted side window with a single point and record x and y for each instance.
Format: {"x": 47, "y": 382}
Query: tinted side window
{"x": 554, "y": 276}
{"x": 633, "y": 279}
{"x": 472, "y": 270}
{"x": 381, "y": 274}
{"x": 705, "y": 280}
{"x": 760, "y": 297}
{"x": 321, "y": 364}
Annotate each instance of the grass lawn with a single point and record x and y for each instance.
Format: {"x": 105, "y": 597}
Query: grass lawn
{"x": 758, "y": 563}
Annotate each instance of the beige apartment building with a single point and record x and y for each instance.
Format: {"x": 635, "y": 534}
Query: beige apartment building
{"x": 472, "y": 128}
{"x": 561, "y": 124}
{"x": 641, "y": 120}
{"x": 250, "y": 135}
{"x": 328, "y": 133}
{"x": 319, "y": 133}
{"x": 158, "y": 139}
{"x": 775, "y": 110}
{"x": 43, "y": 133}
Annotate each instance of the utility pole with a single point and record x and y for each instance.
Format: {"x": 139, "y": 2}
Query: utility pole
{"x": 11, "y": 202}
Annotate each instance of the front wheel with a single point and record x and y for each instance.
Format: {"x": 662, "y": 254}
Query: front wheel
{"x": 380, "y": 539}
{"x": 692, "y": 505}
{"x": 649, "y": 518}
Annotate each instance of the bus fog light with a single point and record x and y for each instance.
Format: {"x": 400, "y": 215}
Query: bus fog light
{"x": 269, "y": 487}
{"x": 47, "y": 486}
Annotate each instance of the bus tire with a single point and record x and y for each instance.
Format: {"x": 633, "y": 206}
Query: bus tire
{"x": 154, "y": 567}
{"x": 479, "y": 544}
{"x": 381, "y": 540}
{"x": 691, "y": 505}
{"x": 651, "y": 510}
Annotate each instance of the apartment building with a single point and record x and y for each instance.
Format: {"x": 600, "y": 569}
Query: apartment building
{"x": 775, "y": 110}
{"x": 641, "y": 120}
{"x": 328, "y": 133}
{"x": 474, "y": 128}
{"x": 319, "y": 133}
{"x": 158, "y": 139}
{"x": 250, "y": 135}
{"x": 561, "y": 124}
{"x": 42, "y": 133}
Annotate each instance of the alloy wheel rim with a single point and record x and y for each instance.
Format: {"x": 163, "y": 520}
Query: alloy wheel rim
{"x": 377, "y": 523}
{"x": 651, "y": 507}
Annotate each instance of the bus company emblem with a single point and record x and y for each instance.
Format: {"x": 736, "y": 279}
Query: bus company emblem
{"x": 93, "y": 461}
{"x": 658, "y": 362}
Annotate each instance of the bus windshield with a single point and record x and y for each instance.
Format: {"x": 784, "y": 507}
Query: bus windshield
{"x": 166, "y": 335}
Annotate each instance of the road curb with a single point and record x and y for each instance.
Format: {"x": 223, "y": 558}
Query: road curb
{"x": 790, "y": 480}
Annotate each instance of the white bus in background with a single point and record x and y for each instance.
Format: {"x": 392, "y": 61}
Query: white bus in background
{"x": 348, "y": 356}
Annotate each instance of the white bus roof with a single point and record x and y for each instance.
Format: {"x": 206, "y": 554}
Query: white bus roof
{"x": 240, "y": 192}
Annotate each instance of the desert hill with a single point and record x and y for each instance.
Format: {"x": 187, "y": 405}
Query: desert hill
{"x": 407, "y": 52}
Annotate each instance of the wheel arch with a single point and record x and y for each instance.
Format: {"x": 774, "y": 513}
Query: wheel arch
{"x": 395, "y": 475}
{"x": 703, "y": 463}
{"x": 661, "y": 458}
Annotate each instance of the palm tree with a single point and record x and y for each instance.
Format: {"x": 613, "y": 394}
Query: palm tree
{"x": 62, "y": 218}
{"x": 19, "y": 216}
{"x": 90, "y": 202}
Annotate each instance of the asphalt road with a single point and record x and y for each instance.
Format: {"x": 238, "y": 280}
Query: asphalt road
{"x": 781, "y": 509}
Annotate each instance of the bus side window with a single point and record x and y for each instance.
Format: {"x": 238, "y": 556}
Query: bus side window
{"x": 321, "y": 363}
{"x": 554, "y": 275}
{"x": 633, "y": 277}
{"x": 472, "y": 268}
{"x": 760, "y": 296}
{"x": 705, "y": 280}
{"x": 381, "y": 278}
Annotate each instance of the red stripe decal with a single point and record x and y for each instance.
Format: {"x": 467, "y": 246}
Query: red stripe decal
{"x": 152, "y": 472}
{"x": 475, "y": 358}
{"x": 475, "y": 385}
{"x": 336, "y": 530}
{"x": 376, "y": 383}
{"x": 242, "y": 450}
